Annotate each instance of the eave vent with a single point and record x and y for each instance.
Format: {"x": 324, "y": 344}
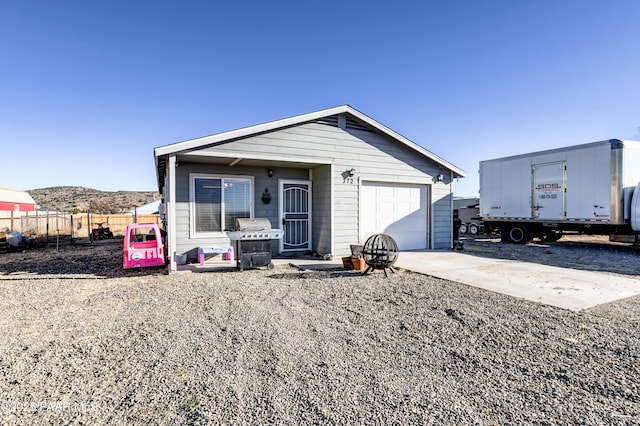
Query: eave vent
{"x": 328, "y": 121}
{"x": 356, "y": 125}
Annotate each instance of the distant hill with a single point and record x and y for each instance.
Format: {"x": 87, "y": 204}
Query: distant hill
{"x": 76, "y": 199}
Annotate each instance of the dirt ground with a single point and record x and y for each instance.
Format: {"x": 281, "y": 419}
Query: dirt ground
{"x": 104, "y": 258}
{"x": 101, "y": 259}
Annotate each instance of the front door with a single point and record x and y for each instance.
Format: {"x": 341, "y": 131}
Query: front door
{"x": 295, "y": 215}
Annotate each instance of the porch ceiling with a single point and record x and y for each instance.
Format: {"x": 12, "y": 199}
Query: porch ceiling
{"x": 248, "y": 160}
{"x": 233, "y": 159}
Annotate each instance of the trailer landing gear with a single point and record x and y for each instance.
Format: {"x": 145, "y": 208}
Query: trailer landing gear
{"x": 550, "y": 235}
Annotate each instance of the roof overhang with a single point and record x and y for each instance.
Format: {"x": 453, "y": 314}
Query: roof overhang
{"x": 193, "y": 150}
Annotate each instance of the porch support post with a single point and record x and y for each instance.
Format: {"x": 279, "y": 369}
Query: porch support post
{"x": 333, "y": 208}
{"x": 170, "y": 202}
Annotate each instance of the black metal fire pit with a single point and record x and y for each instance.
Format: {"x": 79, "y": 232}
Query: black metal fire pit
{"x": 380, "y": 251}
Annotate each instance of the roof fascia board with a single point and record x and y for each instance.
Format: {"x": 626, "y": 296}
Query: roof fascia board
{"x": 250, "y": 156}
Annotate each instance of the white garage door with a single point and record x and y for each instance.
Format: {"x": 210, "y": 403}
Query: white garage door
{"x": 398, "y": 210}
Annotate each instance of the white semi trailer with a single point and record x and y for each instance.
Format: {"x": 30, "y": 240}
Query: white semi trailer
{"x": 591, "y": 189}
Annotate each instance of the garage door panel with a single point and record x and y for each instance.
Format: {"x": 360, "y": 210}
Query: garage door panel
{"x": 399, "y": 210}
{"x": 385, "y": 192}
{"x": 404, "y": 193}
{"x": 405, "y": 209}
{"x": 386, "y": 209}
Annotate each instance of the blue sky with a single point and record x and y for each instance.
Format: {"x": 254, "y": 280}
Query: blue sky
{"x": 88, "y": 89}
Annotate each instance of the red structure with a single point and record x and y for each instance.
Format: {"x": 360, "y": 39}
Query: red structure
{"x": 15, "y": 200}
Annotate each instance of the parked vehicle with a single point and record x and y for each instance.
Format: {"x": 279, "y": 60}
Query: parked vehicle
{"x": 101, "y": 232}
{"x": 470, "y": 220}
{"x": 591, "y": 189}
{"x": 472, "y": 228}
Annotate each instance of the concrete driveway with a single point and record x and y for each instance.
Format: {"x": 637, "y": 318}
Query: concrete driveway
{"x": 562, "y": 287}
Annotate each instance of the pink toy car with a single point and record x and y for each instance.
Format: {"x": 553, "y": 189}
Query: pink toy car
{"x": 143, "y": 246}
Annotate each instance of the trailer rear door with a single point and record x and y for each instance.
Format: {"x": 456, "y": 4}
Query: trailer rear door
{"x": 548, "y": 194}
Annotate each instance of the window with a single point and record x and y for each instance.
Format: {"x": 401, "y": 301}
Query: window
{"x": 217, "y": 201}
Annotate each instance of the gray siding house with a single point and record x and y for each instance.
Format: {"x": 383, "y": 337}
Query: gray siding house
{"x": 329, "y": 179}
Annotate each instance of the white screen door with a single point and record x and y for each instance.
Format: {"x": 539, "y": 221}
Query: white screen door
{"x": 295, "y": 215}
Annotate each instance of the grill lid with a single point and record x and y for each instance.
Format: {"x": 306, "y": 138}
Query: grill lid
{"x": 253, "y": 224}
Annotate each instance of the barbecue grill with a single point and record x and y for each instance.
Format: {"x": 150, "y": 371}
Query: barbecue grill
{"x": 252, "y": 239}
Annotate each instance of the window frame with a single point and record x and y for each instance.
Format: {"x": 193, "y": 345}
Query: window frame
{"x": 192, "y": 198}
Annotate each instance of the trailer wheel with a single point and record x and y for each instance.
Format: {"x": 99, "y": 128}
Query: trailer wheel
{"x": 463, "y": 228}
{"x": 473, "y": 229}
{"x": 519, "y": 234}
{"x": 550, "y": 235}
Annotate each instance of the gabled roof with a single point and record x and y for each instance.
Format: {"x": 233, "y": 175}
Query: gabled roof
{"x": 193, "y": 144}
{"x": 11, "y": 197}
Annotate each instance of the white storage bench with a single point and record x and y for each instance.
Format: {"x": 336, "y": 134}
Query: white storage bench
{"x": 215, "y": 254}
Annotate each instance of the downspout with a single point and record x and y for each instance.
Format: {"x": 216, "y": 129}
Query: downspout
{"x": 451, "y": 177}
{"x": 431, "y": 212}
{"x": 332, "y": 249}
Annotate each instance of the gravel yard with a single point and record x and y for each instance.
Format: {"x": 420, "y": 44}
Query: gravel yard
{"x": 87, "y": 342}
